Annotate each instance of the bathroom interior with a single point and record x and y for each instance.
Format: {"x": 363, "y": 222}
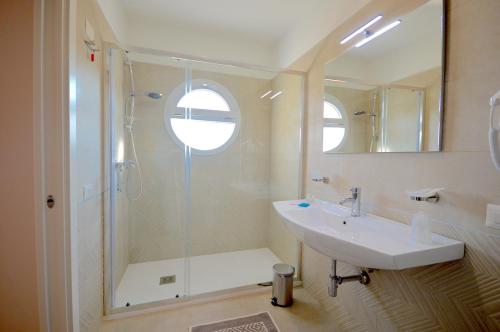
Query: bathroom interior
{"x": 322, "y": 165}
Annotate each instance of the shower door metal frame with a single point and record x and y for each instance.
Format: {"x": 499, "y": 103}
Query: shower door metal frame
{"x": 110, "y": 183}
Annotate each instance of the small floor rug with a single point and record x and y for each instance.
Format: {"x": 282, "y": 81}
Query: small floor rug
{"x": 262, "y": 322}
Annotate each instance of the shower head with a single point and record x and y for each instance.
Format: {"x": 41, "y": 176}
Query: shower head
{"x": 153, "y": 94}
{"x": 359, "y": 113}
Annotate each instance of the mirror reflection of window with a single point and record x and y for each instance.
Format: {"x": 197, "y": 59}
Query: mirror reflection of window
{"x": 334, "y": 125}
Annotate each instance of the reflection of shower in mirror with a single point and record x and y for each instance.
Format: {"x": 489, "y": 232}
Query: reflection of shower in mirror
{"x": 372, "y": 115}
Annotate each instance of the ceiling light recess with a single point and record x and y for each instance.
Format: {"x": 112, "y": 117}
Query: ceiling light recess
{"x": 360, "y": 30}
{"x": 378, "y": 33}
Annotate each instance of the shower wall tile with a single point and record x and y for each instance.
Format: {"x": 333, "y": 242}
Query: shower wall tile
{"x": 459, "y": 296}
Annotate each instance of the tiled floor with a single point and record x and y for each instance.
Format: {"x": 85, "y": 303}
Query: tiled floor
{"x": 208, "y": 273}
{"x": 305, "y": 315}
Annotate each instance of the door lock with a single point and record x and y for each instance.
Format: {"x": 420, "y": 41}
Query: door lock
{"x": 50, "y": 201}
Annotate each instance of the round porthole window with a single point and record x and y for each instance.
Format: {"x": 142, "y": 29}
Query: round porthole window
{"x": 334, "y": 124}
{"x": 204, "y": 116}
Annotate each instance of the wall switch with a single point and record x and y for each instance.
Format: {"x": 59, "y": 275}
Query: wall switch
{"x": 493, "y": 216}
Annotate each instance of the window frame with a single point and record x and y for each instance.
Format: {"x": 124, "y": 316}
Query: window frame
{"x": 231, "y": 116}
{"x": 335, "y": 123}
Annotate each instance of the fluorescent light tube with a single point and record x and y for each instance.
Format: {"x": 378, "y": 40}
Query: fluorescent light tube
{"x": 378, "y": 33}
{"x": 276, "y": 95}
{"x": 360, "y": 30}
{"x": 334, "y": 80}
{"x": 265, "y": 94}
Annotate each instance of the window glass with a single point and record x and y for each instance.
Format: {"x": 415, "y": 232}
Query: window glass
{"x": 205, "y": 119}
{"x": 204, "y": 99}
{"x": 334, "y": 129}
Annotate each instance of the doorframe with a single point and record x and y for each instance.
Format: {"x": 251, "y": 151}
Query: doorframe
{"x": 55, "y": 149}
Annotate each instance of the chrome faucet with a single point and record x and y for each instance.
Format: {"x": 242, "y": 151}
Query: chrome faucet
{"x": 355, "y": 200}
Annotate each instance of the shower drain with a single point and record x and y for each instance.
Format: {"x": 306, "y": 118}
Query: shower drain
{"x": 167, "y": 279}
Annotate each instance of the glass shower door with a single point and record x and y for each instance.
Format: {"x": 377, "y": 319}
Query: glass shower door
{"x": 240, "y": 138}
{"x": 146, "y": 225}
{"x": 197, "y": 153}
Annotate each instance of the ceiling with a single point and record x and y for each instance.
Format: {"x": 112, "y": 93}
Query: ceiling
{"x": 265, "y": 21}
{"x": 272, "y": 33}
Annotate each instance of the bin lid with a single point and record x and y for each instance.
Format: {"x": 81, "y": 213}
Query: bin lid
{"x": 283, "y": 269}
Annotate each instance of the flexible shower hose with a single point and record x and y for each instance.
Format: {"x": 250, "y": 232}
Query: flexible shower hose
{"x": 129, "y": 120}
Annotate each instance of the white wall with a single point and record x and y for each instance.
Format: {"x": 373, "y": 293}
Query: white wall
{"x": 116, "y": 17}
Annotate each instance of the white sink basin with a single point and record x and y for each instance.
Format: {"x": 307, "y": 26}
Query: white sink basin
{"x": 367, "y": 241}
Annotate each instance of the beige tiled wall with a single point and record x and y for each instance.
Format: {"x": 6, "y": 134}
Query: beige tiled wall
{"x": 461, "y": 295}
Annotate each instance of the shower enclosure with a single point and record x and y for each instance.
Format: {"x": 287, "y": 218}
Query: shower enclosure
{"x": 196, "y": 153}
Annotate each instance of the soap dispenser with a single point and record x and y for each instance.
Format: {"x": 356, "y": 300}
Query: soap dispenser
{"x": 421, "y": 228}
{"x": 420, "y": 222}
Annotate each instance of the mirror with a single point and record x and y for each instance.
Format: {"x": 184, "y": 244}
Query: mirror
{"x": 385, "y": 94}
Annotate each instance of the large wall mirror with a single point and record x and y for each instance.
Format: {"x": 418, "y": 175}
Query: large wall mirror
{"x": 385, "y": 94}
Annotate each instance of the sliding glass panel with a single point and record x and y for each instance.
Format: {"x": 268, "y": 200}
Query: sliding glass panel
{"x": 285, "y": 164}
{"x": 148, "y": 190}
{"x": 250, "y": 157}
